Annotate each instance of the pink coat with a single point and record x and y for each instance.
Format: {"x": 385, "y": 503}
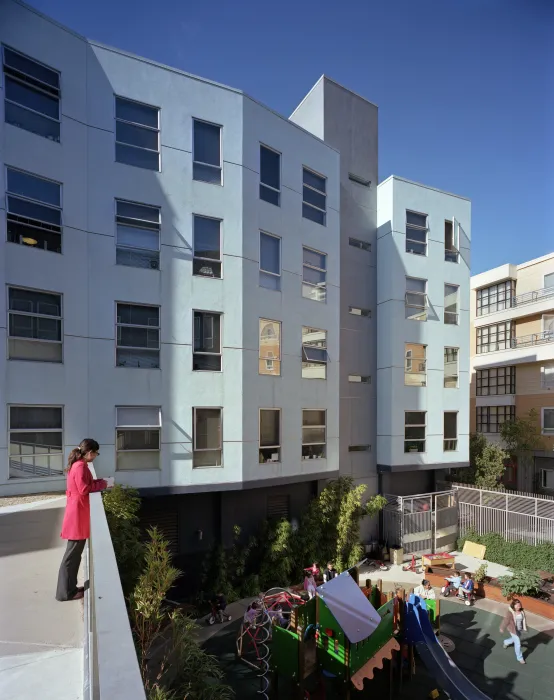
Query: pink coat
{"x": 76, "y": 521}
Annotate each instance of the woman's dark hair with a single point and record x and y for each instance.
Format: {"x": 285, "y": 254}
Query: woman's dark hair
{"x": 513, "y": 603}
{"x": 87, "y": 445}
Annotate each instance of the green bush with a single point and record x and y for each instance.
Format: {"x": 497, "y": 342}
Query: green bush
{"x": 523, "y": 582}
{"x": 515, "y": 555}
{"x": 480, "y": 574}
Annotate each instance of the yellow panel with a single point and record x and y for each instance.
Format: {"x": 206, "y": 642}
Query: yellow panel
{"x": 472, "y": 549}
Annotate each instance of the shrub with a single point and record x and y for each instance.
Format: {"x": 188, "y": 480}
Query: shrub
{"x": 523, "y": 582}
{"x": 515, "y": 555}
{"x": 480, "y": 574}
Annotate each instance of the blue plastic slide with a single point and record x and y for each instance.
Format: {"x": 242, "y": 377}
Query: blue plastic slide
{"x": 448, "y": 676}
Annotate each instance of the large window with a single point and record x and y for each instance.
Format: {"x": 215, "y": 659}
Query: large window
{"x": 270, "y": 347}
{"x": 314, "y": 274}
{"x": 415, "y": 299}
{"x": 496, "y": 337}
{"x": 34, "y": 325}
{"x": 207, "y": 247}
{"x": 451, "y": 304}
{"x": 207, "y": 437}
{"x": 314, "y": 353}
{"x": 137, "y": 437}
{"x": 137, "y": 134}
{"x": 34, "y": 211}
{"x": 32, "y": 92}
{"x": 416, "y": 233}
{"x": 36, "y": 441}
{"x": 547, "y": 421}
{"x": 495, "y": 298}
{"x": 450, "y": 443}
{"x": 207, "y": 341}
{"x": 314, "y": 434}
{"x": 270, "y": 175}
{"x": 490, "y": 418}
{"x": 549, "y": 280}
{"x": 270, "y": 261}
{"x": 270, "y": 435}
{"x": 415, "y": 365}
{"x": 138, "y": 235}
{"x": 414, "y": 431}
{"x": 451, "y": 368}
{"x": 496, "y": 381}
{"x": 547, "y": 376}
{"x": 207, "y": 165}
{"x": 138, "y": 336}
{"x": 451, "y": 244}
{"x": 314, "y": 197}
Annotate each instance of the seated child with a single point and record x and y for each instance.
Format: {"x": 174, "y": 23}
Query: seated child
{"x": 466, "y": 589}
{"x": 455, "y": 579}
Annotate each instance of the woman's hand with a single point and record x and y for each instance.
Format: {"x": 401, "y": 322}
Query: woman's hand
{"x": 110, "y": 480}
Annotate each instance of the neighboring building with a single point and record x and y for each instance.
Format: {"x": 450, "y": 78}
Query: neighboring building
{"x": 512, "y": 346}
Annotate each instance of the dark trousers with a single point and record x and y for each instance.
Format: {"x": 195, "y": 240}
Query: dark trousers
{"x": 69, "y": 568}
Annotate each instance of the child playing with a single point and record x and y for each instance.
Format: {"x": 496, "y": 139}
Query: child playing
{"x": 251, "y": 614}
{"x": 466, "y": 589}
{"x": 455, "y": 580}
{"x": 310, "y": 584}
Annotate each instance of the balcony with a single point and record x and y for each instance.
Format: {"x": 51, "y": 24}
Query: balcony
{"x": 531, "y": 297}
{"x": 526, "y": 341}
{"x": 510, "y": 307}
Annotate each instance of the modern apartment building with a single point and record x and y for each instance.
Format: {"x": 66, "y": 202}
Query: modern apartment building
{"x": 512, "y": 347}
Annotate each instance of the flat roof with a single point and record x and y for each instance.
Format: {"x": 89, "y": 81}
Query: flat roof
{"x": 421, "y": 184}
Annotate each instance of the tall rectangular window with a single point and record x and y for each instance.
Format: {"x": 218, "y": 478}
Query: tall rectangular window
{"x": 270, "y": 347}
{"x": 137, "y": 235}
{"x": 34, "y": 211}
{"x": 451, "y": 368}
{"x": 415, "y": 300}
{"x": 314, "y": 434}
{"x": 207, "y": 342}
{"x": 451, "y": 304}
{"x": 32, "y": 95}
{"x": 490, "y": 418}
{"x": 207, "y": 247}
{"x": 137, "y": 437}
{"x": 497, "y": 297}
{"x": 34, "y": 325}
{"x": 547, "y": 421}
{"x": 415, "y": 367}
{"x": 314, "y": 275}
{"x": 207, "y": 164}
{"x": 314, "y": 196}
{"x": 270, "y": 435}
{"x": 499, "y": 336}
{"x": 138, "y": 336}
{"x": 549, "y": 281}
{"x": 137, "y": 134}
{"x": 35, "y": 441}
{"x": 496, "y": 381}
{"x": 270, "y": 175}
{"x": 416, "y": 233}
{"x": 547, "y": 376}
{"x": 270, "y": 261}
{"x": 450, "y": 442}
{"x": 414, "y": 431}
{"x": 451, "y": 242}
{"x": 207, "y": 437}
{"x": 314, "y": 353}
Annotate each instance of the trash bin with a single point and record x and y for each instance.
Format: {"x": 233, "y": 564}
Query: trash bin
{"x": 397, "y": 556}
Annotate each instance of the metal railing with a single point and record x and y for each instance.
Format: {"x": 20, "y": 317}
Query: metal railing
{"x": 530, "y": 297}
{"x": 526, "y": 341}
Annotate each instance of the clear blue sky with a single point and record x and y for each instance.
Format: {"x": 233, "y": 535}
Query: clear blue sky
{"x": 465, "y": 88}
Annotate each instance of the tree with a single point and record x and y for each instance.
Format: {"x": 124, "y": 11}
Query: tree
{"x": 489, "y": 467}
{"x": 522, "y": 434}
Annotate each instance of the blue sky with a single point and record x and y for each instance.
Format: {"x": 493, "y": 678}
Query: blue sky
{"x": 465, "y": 88}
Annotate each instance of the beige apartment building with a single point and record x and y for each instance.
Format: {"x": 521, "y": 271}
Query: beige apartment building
{"x": 512, "y": 360}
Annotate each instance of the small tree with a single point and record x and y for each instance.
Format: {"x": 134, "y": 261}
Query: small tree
{"x": 522, "y": 434}
{"x": 489, "y": 467}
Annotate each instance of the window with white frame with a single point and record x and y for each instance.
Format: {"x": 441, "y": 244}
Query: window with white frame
{"x": 548, "y": 325}
{"x": 270, "y": 435}
{"x": 314, "y": 353}
{"x": 270, "y": 175}
{"x": 34, "y": 325}
{"x": 35, "y": 441}
{"x": 32, "y": 95}
{"x": 314, "y": 434}
{"x": 34, "y": 211}
{"x": 207, "y": 437}
{"x": 450, "y": 442}
{"x": 451, "y": 304}
{"x": 314, "y": 274}
{"x": 415, "y": 300}
{"x": 270, "y": 347}
{"x": 547, "y": 421}
{"x": 415, "y": 368}
{"x": 314, "y": 197}
{"x": 549, "y": 280}
{"x": 207, "y": 164}
{"x": 137, "y": 437}
{"x": 414, "y": 431}
{"x": 357, "y": 243}
{"x": 451, "y": 368}
{"x": 137, "y": 134}
{"x": 137, "y": 336}
{"x": 207, "y": 247}
{"x": 547, "y": 478}
{"x": 207, "y": 342}
{"x": 270, "y": 261}
{"x": 137, "y": 235}
{"x": 416, "y": 233}
{"x": 451, "y": 246}
{"x": 547, "y": 376}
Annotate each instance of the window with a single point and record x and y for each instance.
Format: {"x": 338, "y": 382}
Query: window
{"x": 414, "y": 431}
{"x": 356, "y": 311}
{"x": 496, "y": 381}
{"x": 314, "y": 275}
{"x": 549, "y": 280}
{"x": 359, "y": 379}
{"x": 359, "y": 180}
{"x": 450, "y": 242}
{"x": 208, "y": 443}
{"x": 547, "y": 377}
{"x": 416, "y": 233}
{"x": 359, "y": 448}
{"x": 314, "y": 434}
{"x": 207, "y": 342}
{"x": 547, "y": 478}
{"x": 34, "y": 325}
{"x": 415, "y": 369}
{"x": 490, "y": 418}
{"x": 496, "y": 337}
{"x": 207, "y": 166}
{"x": 278, "y": 507}
{"x": 548, "y": 325}
{"x": 450, "y": 443}
{"x": 314, "y": 197}
{"x": 207, "y": 247}
{"x": 314, "y": 353}
{"x": 137, "y": 437}
{"x": 270, "y": 175}
{"x": 451, "y": 304}
{"x": 498, "y": 297}
{"x": 32, "y": 92}
{"x": 137, "y": 235}
{"x": 270, "y": 261}
{"x": 137, "y": 134}
{"x": 270, "y": 347}
{"x": 357, "y": 243}
{"x": 415, "y": 300}
{"x": 36, "y": 441}
{"x": 451, "y": 368}
{"x": 34, "y": 211}
{"x": 547, "y": 421}
{"x": 270, "y": 435}
{"x": 138, "y": 336}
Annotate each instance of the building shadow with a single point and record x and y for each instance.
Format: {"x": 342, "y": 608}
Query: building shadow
{"x": 30, "y": 530}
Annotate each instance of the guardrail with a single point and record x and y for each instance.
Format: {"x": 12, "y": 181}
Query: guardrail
{"x": 530, "y": 297}
{"x": 525, "y": 341}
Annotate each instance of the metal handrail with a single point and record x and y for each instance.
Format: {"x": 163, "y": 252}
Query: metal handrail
{"x": 530, "y": 297}
{"x": 533, "y": 339}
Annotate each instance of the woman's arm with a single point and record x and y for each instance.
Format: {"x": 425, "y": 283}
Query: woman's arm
{"x": 505, "y": 621}
{"x": 86, "y": 485}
